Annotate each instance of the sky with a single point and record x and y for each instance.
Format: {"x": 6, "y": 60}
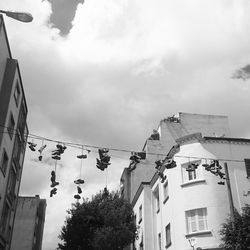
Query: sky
{"x": 105, "y": 73}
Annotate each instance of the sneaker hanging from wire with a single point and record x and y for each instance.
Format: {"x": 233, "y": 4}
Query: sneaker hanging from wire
{"x": 79, "y": 190}
{"x": 77, "y": 196}
{"x": 53, "y": 176}
{"x": 79, "y": 181}
{"x": 81, "y": 156}
{"x": 32, "y": 146}
{"x": 56, "y": 157}
{"x": 53, "y": 192}
{"x": 170, "y": 163}
{"x": 158, "y": 164}
{"x": 40, "y": 150}
{"x": 54, "y": 183}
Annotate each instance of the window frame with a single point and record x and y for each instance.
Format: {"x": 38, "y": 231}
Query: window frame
{"x": 4, "y": 221}
{"x": 168, "y": 235}
{"x": 11, "y": 186}
{"x": 247, "y": 166}
{"x": 165, "y": 191}
{"x": 192, "y": 176}
{"x": 17, "y": 93}
{"x": 4, "y": 162}
{"x": 140, "y": 214}
{"x": 195, "y": 220}
{"x": 159, "y": 241}
{"x": 11, "y": 125}
{"x": 156, "y": 195}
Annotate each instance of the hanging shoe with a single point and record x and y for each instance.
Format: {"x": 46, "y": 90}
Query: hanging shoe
{"x": 53, "y": 176}
{"x": 56, "y": 157}
{"x": 170, "y": 163}
{"x": 132, "y": 166}
{"x": 79, "y": 190}
{"x": 100, "y": 165}
{"x": 40, "y": 150}
{"x": 221, "y": 174}
{"x": 56, "y": 152}
{"x": 40, "y": 157}
{"x": 158, "y": 164}
{"x": 163, "y": 179}
{"x": 206, "y": 166}
{"x": 79, "y": 181}
{"x": 32, "y": 146}
{"x": 212, "y": 165}
{"x": 53, "y": 192}
{"x": 54, "y": 183}
{"x": 77, "y": 196}
{"x": 221, "y": 183}
{"x": 82, "y": 156}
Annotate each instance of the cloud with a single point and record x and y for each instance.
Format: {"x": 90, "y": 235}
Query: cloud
{"x": 63, "y": 12}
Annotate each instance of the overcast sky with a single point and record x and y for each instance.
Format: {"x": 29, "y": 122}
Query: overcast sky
{"x": 105, "y": 73}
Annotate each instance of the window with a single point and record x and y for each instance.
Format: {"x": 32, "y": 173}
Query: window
{"x": 11, "y": 183}
{"x": 168, "y": 235}
{"x": 11, "y": 126}
{"x": 188, "y": 176}
{"x": 159, "y": 241}
{"x": 196, "y": 220}
{"x": 157, "y": 199}
{"x": 17, "y": 93}
{"x": 165, "y": 192}
{"x": 4, "y": 162}
{"x": 17, "y": 149}
{"x": 140, "y": 214}
{"x": 141, "y": 245}
{"x": 22, "y": 120}
{"x": 247, "y": 165}
{"x": 4, "y": 218}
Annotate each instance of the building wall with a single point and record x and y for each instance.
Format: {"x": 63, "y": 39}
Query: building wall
{"x": 29, "y": 223}
{"x": 170, "y": 131}
{"x": 203, "y": 192}
{"x": 201, "y": 195}
{"x": 12, "y": 141}
{"x": 4, "y": 49}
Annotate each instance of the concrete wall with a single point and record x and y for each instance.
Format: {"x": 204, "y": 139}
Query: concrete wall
{"x": 4, "y": 49}
{"x": 9, "y": 78}
{"x": 203, "y": 192}
{"x": 208, "y": 125}
{"x": 29, "y": 222}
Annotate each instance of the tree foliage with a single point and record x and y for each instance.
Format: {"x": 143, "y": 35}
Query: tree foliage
{"x": 237, "y": 235}
{"x": 106, "y": 222}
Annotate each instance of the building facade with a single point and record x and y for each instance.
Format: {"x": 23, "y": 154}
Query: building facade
{"x": 13, "y": 135}
{"x": 29, "y": 224}
{"x": 179, "y": 208}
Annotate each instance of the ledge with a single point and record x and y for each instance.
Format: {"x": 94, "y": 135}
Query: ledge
{"x": 198, "y": 233}
{"x": 190, "y": 183}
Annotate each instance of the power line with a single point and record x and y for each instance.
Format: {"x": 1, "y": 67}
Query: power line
{"x": 80, "y": 146}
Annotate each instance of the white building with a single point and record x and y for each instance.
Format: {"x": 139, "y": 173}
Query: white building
{"x": 192, "y": 204}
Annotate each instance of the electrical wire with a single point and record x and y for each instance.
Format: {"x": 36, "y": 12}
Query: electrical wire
{"x": 80, "y": 146}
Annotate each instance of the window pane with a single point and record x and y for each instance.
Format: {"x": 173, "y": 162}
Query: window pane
{"x": 4, "y": 162}
{"x": 165, "y": 190}
{"x": 168, "y": 235}
{"x": 196, "y": 220}
{"x": 11, "y": 126}
{"x": 159, "y": 241}
{"x": 247, "y": 165}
